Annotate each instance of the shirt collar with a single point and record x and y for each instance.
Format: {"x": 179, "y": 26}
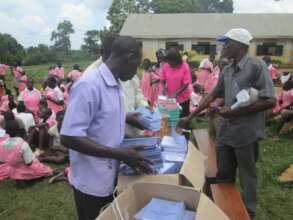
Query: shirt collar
{"x": 242, "y": 62}
{"x": 107, "y": 75}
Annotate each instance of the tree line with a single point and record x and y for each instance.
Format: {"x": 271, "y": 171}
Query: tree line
{"x": 12, "y": 51}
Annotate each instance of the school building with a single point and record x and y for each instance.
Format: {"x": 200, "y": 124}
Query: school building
{"x": 273, "y": 33}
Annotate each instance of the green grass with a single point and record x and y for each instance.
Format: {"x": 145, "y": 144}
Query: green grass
{"x": 55, "y": 202}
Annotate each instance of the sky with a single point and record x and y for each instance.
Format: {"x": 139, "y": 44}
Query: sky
{"x": 32, "y": 21}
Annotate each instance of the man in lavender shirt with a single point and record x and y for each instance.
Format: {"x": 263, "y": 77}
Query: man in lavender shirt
{"x": 93, "y": 129}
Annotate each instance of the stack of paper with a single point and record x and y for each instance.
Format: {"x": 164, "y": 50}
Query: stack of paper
{"x": 174, "y": 153}
{"x": 150, "y": 120}
{"x": 150, "y": 150}
{"x": 170, "y": 108}
{"x": 164, "y": 210}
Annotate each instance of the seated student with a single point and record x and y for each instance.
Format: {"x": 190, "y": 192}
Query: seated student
{"x": 286, "y": 116}
{"x": 195, "y": 97}
{"x": 57, "y": 153}
{"x": 284, "y": 100}
{"x": 54, "y": 95}
{"x": 273, "y": 70}
{"x": 26, "y": 117}
{"x": 31, "y": 98}
{"x": 39, "y": 133}
{"x": 75, "y": 73}
{"x": 16, "y": 152}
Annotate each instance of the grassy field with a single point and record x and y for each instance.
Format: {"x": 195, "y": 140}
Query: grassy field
{"x": 55, "y": 202}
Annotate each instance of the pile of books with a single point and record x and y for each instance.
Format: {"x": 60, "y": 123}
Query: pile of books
{"x": 164, "y": 210}
{"x": 150, "y": 150}
{"x": 171, "y": 108}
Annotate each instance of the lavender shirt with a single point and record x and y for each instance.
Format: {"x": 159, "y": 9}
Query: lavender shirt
{"x": 96, "y": 111}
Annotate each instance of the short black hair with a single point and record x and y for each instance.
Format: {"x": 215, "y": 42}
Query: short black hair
{"x": 288, "y": 85}
{"x": 174, "y": 56}
{"x": 125, "y": 44}
{"x": 21, "y": 107}
{"x": 60, "y": 115}
{"x": 146, "y": 64}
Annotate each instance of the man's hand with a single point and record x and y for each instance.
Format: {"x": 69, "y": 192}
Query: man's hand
{"x": 132, "y": 119}
{"x": 185, "y": 122}
{"x": 133, "y": 159}
{"x": 226, "y": 112}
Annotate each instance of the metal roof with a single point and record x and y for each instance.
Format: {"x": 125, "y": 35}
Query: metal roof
{"x": 207, "y": 25}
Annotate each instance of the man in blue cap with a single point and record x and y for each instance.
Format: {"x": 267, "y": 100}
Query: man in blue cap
{"x": 242, "y": 128}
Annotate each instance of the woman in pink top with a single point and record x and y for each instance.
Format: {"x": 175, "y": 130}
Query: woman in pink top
{"x": 75, "y": 73}
{"x": 54, "y": 95}
{"x": 176, "y": 78}
{"x": 31, "y": 98}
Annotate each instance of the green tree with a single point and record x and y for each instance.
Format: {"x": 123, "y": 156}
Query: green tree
{"x": 192, "y": 6}
{"x": 61, "y": 37}
{"x": 92, "y": 42}
{"x": 11, "y": 50}
{"x": 39, "y": 55}
{"x": 119, "y": 10}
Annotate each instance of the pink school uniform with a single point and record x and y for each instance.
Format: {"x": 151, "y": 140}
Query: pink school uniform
{"x": 74, "y": 75}
{"x": 212, "y": 80}
{"x": 273, "y": 71}
{"x": 3, "y": 69}
{"x": 283, "y": 101}
{"x": 155, "y": 89}
{"x": 22, "y": 83}
{"x": 4, "y": 103}
{"x": 31, "y": 100}
{"x": 4, "y": 171}
{"x": 59, "y": 72}
{"x": 18, "y": 155}
{"x": 55, "y": 94}
{"x": 17, "y": 72}
{"x": 175, "y": 78}
{"x": 205, "y": 69}
{"x": 145, "y": 84}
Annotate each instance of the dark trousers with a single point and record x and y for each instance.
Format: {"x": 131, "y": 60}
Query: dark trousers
{"x": 185, "y": 109}
{"x": 244, "y": 158}
{"x": 88, "y": 207}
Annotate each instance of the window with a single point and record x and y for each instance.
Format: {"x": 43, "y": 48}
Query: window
{"x": 269, "y": 49}
{"x": 175, "y": 44}
{"x": 204, "y": 48}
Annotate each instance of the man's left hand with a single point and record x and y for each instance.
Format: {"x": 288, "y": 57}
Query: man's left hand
{"x": 226, "y": 112}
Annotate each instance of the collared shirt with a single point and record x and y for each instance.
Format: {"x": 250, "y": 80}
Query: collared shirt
{"x": 248, "y": 73}
{"x": 95, "y": 111}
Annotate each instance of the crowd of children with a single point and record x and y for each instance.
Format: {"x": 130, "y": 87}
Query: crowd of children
{"x": 30, "y": 122}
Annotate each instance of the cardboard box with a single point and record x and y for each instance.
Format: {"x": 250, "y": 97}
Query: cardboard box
{"x": 192, "y": 173}
{"x": 138, "y": 195}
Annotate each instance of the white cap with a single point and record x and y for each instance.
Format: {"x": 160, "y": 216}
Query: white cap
{"x": 238, "y": 34}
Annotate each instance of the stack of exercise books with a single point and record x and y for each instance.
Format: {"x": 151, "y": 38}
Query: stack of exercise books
{"x": 150, "y": 150}
{"x": 164, "y": 210}
{"x": 171, "y": 108}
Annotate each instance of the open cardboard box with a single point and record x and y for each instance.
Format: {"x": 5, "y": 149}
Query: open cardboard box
{"x": 134, "y": 198}
{"x": 192, "y": 173}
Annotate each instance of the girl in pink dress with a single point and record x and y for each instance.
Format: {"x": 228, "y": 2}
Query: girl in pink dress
{"x": 273, "y": 72}
{"x": 16, "y": 152}
{"x": 285, "y": 99}
{"x": 3, "y": 69}
{"x": 59, "y": 71}
{"x": 54, "y": 96}
{"x": 204, "y": 74}
{"x": 145, "y": 83}
{"x": 75, "y": 73}
{"x": 31, "y": 98}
